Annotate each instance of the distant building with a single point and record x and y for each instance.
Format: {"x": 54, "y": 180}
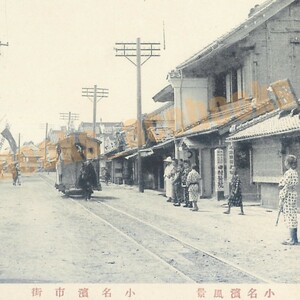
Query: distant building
{"x": 55, "y": 136}
{"x": 6, "y": 160}
{"x": 29, "y": 158}
{"x": 87, "y": 127}
{"x": 108, "y": 135}
{"x": 48, "y": 156}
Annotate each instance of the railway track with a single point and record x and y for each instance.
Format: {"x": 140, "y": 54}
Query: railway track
{"x": 192, "y": 264}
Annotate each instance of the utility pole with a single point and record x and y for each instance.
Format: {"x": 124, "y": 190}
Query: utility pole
{"x": 138, "y": 50}
{"x": 46, "y": 138}
{"x": 94, "y": 94}
{"x": 70, "y": 117}
{"x": 19, "y": 152}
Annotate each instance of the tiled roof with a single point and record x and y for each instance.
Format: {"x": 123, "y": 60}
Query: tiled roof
{"x": 123, "y": 153}
{"x": 166, "y": 94}
{"x": 160, "y": 134}
{"x": 263, "y": 12}
{"x": 236, "y": 113}
{"x": 157, "y": 113}
{"x": 266, "y": 125}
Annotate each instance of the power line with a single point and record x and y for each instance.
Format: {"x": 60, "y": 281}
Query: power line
{"x": 138, "y": 50}
{"x": 70, "y": 117}
{"x": 94, "y": 94}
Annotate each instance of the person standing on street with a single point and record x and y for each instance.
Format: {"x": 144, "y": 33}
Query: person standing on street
{"x": 235, "y": 198}
{"x": 193, "y": 184}
{"x": 185, "y": 191}
{"x": 168, "y": 178}
{"x": 177, "y": 184}
{"x": 106, "y": 176}
{"x": 288, "y": 198}
{"x": 16, "y": 173}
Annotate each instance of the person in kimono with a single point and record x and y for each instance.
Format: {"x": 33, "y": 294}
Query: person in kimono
{"x": 168, "y": 178}
{"x": 186, "y": 170}
{"x": 87, "y": 179}
{"x": 176, "y": 180}
{"x": 193, "y": 184}
{"x": 16, "y": 173}
{"x": 235, "y": 198}
{"x": 288, "y": 198}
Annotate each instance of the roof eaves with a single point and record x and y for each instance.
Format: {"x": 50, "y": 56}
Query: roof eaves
{"x": 246, "y": 27}
{"x": 161, "y": 96}
{"x": 158, "y": 110}
{"x": 258, "y": 136}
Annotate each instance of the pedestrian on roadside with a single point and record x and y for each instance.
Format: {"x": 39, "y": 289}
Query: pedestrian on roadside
{"x": 288, "y": 198}
{"x": 106, "y": 176}
{"x": 185, "y": 191}
{"x": 176, "y": 180}
{"x": 168, "y": 178}
{"x": 16, "y": 173}
{"x": 235, "y": 197}
{"x": 193, "y": 184}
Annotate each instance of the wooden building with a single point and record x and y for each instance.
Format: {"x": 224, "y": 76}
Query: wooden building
{"x": 226, "y": 84}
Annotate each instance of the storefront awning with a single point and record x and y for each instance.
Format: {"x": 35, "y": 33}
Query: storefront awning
{"x": 131, "y": 156}
{"x": 268, "y": 125}
{"x": 190, "y": 144}
{"x": 124, "y": 153}
{"x": 144, "y": 153}
{"x": 163, "y": 144}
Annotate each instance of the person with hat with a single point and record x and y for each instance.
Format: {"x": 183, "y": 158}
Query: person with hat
{"x": 288, "y": 198}
{"x": 168, "y": 178}
{"x": 193, "y": 184}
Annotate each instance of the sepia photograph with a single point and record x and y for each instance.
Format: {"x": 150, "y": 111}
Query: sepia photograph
{"x": 149, "y": 149}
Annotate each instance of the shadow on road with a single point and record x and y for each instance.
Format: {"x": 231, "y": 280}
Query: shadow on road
{"x": 93, "y": 199}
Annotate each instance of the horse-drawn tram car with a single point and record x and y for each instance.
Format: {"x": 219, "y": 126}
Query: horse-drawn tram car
{"x": 77, "y": 168}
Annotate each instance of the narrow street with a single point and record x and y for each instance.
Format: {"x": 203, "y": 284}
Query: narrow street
{"x": 122, "y": 236}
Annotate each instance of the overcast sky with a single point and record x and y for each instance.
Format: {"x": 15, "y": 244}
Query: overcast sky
{"x": 56, "y": 47}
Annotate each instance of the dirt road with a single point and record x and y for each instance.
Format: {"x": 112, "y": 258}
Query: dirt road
{"x": 123, "y": 236}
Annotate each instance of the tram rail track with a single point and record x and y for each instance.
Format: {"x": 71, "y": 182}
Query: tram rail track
{"x": 193, "y": 264}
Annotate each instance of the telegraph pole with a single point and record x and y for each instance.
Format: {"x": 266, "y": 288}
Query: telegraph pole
{"x": 70, "y": 117}
{"x": 19, "y": 152}
{"x": 138, "y": 50}
{"x": 94, "y": 94}
{"x": 46, "y": 138}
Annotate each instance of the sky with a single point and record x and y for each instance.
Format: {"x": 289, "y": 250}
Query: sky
{"x": 57, "y": 47}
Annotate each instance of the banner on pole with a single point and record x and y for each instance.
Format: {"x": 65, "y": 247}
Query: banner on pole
{"x": 8, "y": 136}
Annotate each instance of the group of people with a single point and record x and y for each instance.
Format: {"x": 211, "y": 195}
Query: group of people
{"x": 182, "y": 183}
{"x": 183, "y": 186}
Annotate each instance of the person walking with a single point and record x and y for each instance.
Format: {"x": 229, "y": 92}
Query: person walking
{"x": 288, "y": 198}
{"x": 106, "y": 176}
{"x": 235, "y": 198}
{"x": 168, "y": 178}
{"x": 185, "y": 191}
{"x": 177, "y": 184}
{"x": 193, "y": 184}
{"x": 16, "y": 173}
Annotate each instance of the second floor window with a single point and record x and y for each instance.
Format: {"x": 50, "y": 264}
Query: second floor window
{"x": 230, "y": 85}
